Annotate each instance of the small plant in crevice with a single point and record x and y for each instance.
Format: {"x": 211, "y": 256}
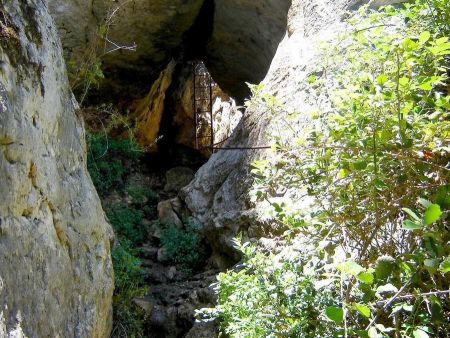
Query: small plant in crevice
{"x": 184, "y": 246}
{"x": 129, "y": 280}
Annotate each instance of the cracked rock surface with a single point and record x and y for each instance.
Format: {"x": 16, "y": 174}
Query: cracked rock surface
{"x": 56, "y": 277}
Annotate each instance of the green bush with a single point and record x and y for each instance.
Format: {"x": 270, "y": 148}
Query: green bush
{"x": 127, "y": 223}
{"x": 142, "y": 195}
{"x": 369, "y": 244}
{"x": 109, "y": 160}
{"x": 183, "y": 246}
{"x": 145, "y": 199}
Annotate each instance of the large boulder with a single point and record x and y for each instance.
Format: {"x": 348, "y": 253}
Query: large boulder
{"x": 244, "y": 40}
{"x": 56, "y": 276}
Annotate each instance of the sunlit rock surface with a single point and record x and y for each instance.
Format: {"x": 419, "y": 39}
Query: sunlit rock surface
{"x": 56, "y": 277}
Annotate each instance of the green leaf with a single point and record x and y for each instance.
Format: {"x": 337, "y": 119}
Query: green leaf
{"x": 403, "y": 81}
{"x": 411, "y": 213}
{"x": 363, "y": 309}
{"x": 311, "y": 79}
{"x": 424, "y": 37}
{"x": 444, "y": 267}
{"x": 360, "y": 165}
{"x": 426, "y": 86}
{"x": 410, "y": 225}
{"x": 350, "y": 268}
{"x": 409, "y": 44}
{"x": 423, "y": 202}
{"x": 365, "y": 277}
{"x": 431, "y": 264}
{"x": 335, "y": 314}
{"x": 343, "y": 173}
{"x": 382, "y": 79}
{"x": 432, "y": 214}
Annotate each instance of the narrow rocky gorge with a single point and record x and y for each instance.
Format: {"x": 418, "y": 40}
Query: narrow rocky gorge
{"x": 56, "y": 241}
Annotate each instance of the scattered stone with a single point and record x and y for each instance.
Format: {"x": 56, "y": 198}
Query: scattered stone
{"x": 177, "y": 178}
{"x": 167, "y": 215}
{"x": 186, "y": 312}
{"x": 158, "y": 316}
{"x": 171, "y": 273}
{"x": 154, "y": 230}
{"x": 207, "y": 296}
{"x": 162, "y": 256}
{"x": 203, "y": 330}
{"x": 149, "y": 252}
{"x": 144, "y": 304}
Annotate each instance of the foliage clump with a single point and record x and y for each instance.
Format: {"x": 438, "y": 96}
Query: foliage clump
{"x": 183, "y": 246}
{"x": 367, "y": 252}
{"x": 110, "y": 159}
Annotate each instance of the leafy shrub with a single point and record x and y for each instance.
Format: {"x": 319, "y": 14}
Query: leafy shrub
{"x": 144, "y": 199}
{"x": 377, "y": 150}
{"x": 109, "y": 160}
{"x": 127, "y": 223}
{"x": 142, "y": 195}
{"x": 183, "y": 246}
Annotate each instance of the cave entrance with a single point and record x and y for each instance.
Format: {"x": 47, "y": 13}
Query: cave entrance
{"x": 196, "y": 113}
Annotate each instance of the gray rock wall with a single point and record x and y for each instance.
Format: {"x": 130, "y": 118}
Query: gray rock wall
{"x": 56, "y": 277}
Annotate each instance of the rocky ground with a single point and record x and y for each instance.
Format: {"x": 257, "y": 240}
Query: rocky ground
{"x": 174, "y": 294}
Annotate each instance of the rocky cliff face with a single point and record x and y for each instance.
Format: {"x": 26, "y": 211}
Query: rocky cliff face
{"x": 236, "y": 38}
{"x": 156, "y": 28}
{"x": 244, "y": 39}
{"x": 56, "y": 278}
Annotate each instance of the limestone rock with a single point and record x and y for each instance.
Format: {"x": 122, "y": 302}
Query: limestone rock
{"x": 177, "y": 178}
{"x": 239, "y": 48}
{"x": 203, "y": 330}
{"x": 149, "y": 111}
{"x": 161, "y": 256}
{"x": 56, "y": 277}
{"x": 244, "y": 41}
{"x": 167, "y": 215}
